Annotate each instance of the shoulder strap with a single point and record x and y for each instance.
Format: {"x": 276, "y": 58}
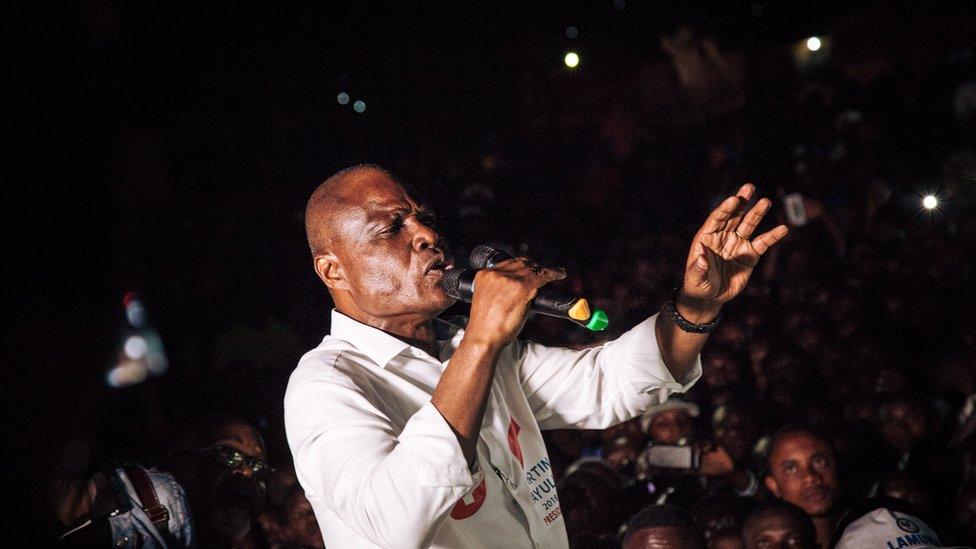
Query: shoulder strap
{"x": 157, "y": 513}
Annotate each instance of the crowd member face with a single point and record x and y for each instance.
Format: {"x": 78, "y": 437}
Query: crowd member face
{"x": 803, "y": 472}
{"x": 725, "y": 540}
{"x": 236, "y": 492}
{"x": 902, "y": 423}
{"x": 736, "y": 431}
{"x": 621, "y": 453}
{"x": 720, "y": 370}
{"x": 671, "y": 426}
{"x": 378, "y": 250}
{"x": 663, "y": 537}
{"x": 777, "y": 531}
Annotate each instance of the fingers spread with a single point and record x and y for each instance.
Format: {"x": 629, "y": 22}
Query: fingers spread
{"x": 766, "y": 240}
{"x": 751, "y": 220}
{"x": 721, "y": 215}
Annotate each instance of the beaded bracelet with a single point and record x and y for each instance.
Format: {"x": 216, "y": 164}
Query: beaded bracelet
{"x": 672, "y": 311}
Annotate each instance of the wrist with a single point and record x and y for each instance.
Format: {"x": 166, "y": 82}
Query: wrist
{"x": 480, "y": 344}
{"x": 696, "y": 310}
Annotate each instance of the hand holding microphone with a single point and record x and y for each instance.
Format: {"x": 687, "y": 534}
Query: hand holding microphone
{"x": 493, "y": 268}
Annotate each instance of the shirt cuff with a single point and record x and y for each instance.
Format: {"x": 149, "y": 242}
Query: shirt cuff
{"x": 646, "y": 371}
{"x": 435, "y": 452}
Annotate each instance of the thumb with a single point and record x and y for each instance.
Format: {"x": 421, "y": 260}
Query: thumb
{"x": 699, "y": 271}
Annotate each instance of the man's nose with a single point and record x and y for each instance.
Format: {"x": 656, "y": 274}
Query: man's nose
{"x": 812, "y": 477}
{"x": 424, "y": 236}
{"x": 244, "y": 470}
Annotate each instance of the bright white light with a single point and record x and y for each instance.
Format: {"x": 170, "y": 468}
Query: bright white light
{"x": 136, "y": 347}
{"x": 359, "y": 106}
{"x": 930, "y": 202}
{"x": 571, "y": 60}
{"x": 343, "y": 98}
{"x": 813, "y": 43}
{"x": 572, "y": 32}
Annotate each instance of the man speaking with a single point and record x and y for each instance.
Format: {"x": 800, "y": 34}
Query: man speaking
{"x": 408, "y": 431}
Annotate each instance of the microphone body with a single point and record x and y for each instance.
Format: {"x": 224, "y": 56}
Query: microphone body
{"x": 459, "y": 284}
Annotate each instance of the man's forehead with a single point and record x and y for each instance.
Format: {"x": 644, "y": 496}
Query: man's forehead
{"x": 375, "y": 191}
{"x": 801, "y": 444}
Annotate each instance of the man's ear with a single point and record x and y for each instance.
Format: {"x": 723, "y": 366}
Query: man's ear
{"x": 771, "y": 485}
{"x": 330, "y": 271}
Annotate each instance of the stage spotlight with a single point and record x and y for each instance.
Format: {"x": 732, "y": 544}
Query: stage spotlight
{"x": 343, "y": 98}
{"x": 359, "y": 106}
{"x": 813, "y": 43}
{"x": 930, "y": 202}
{"x": 571, "y": 60}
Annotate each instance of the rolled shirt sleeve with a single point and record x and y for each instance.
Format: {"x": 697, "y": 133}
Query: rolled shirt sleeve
{"x": 599, "y": 387}
{"x": 391, "y": 486}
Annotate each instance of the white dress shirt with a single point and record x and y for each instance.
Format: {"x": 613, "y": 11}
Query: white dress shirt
{"x": 382, "y": 468}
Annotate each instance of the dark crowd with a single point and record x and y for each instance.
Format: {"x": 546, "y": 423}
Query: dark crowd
{"x": 842, "y": 381}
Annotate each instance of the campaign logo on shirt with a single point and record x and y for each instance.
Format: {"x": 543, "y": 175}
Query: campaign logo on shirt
{"x": 470, "y": 503}
{"x": 513, "y": 441}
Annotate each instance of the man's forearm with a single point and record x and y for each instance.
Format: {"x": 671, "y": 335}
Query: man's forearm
{"x": 462, "y": 392}
{"x": 679, "y": 348}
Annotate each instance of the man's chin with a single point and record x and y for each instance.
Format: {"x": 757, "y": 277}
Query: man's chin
{"x": 232, "y": 523}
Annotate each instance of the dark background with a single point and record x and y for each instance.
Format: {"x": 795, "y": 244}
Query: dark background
{"x": 169, "y": 149}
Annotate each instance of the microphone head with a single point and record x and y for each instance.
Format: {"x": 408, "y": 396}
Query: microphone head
{"x": 485, "y": 257}
{"x": 451, "y": 282}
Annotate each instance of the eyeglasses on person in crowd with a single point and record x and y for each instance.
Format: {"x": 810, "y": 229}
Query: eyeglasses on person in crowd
{"x": 230, "y": 458}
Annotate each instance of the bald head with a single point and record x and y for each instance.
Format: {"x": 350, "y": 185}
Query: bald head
{"x": 325, "y": 206}
{"x": 375, "y": 246}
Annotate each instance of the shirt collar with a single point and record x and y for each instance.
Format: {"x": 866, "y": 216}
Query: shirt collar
{"x": 376, "y": 344}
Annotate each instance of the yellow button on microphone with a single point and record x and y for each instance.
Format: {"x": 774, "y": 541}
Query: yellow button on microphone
{"x": 580, "y": 310}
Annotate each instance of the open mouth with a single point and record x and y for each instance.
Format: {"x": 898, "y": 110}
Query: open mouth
{"x": 439, "y": 266}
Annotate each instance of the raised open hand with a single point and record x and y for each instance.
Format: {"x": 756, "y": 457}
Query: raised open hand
{"x": 724, "y": 252}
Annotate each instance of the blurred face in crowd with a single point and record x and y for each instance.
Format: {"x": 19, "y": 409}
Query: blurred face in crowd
{"x": 725, "y": 540}
{"x": 902, "y": 423}
{"x": 901, "y": 486}
{"x": 671, "y": 426}
{"x": 621, "y": 453}
{"x": 777, "y": 531}
{"x": 720, "y": 370}
{"x": 802, "y": 471}
{"x": 376, "y": 248}
{"x": 663, "y": 537}
{"x": 735, "y": 430}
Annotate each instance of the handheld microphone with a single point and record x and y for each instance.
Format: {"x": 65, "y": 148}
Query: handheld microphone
{"x": 459, "y": 284}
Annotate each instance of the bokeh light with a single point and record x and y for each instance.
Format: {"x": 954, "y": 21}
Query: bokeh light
{"x": 813, "y": 43}
{"x": 572, "y": 32}
{"x": 572, "y": 60}
{"x": 359, "y": 106}
{"x": 343, "y": 98}
{"x": 930, "y": 202}
{"x": 135, "y": 347}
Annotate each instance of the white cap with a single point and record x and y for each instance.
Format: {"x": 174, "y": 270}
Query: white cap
{"x": 669, "y": 404}
{"x": 884, "y": 529}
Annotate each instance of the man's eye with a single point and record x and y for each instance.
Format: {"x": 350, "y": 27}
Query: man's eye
{"x": 790, "y": 469}
{"x": 428, "y": 219}
{"x": 395, "y": 227}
